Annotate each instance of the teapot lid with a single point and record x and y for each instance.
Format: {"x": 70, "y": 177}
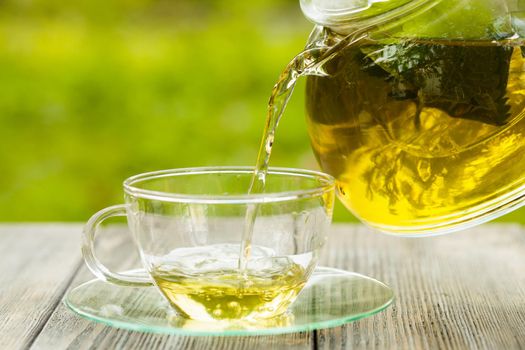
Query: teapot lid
{"x": 338, "y": 13}
{"x": 455, "y": 19}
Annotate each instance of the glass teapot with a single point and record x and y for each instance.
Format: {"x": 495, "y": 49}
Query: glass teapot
{"x": 418, "y": 111}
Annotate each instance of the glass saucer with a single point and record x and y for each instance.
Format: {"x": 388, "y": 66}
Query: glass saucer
{"x": 331, "y": 298}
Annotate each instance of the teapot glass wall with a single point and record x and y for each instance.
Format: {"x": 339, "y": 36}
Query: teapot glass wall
{"x": 419, "y": 112}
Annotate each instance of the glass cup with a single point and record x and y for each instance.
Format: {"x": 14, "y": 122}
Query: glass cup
{"x": 188, "y": 225}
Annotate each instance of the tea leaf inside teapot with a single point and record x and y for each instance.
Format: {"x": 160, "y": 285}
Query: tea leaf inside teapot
{"x": 465, "y": 80}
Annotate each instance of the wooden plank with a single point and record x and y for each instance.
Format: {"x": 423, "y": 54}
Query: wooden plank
{"x": 465, "y": 290}
{"x": 65, "y": 330}
{"x": 37, "y": 264}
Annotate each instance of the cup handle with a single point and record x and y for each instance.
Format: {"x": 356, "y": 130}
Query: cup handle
{"x": 88, "y": 247}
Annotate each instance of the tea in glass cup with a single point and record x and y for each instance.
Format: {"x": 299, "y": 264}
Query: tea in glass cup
{"x": 188, "y": 227}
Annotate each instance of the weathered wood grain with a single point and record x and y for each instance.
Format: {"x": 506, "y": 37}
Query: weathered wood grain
{"x": 465, "y": 290}
{"x": 461, "y": 291}
{"x": 37, "y": 263}
{"x": 65, "y": 330}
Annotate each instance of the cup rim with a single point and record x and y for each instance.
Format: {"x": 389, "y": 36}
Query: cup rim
{"x": 327, "y": 183}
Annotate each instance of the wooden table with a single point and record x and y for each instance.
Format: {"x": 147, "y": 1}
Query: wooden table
{"x": 465, "y": 290}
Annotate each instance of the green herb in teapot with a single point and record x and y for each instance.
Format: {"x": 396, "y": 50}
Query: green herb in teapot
{"x": 417, "y": 108}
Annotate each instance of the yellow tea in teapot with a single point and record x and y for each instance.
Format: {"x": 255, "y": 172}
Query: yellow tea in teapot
{"x": 422, "y": 135}
{"x": 416, "y": 108}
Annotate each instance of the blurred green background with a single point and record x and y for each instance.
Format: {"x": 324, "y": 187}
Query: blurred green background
{"x": 95, "y": 91}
